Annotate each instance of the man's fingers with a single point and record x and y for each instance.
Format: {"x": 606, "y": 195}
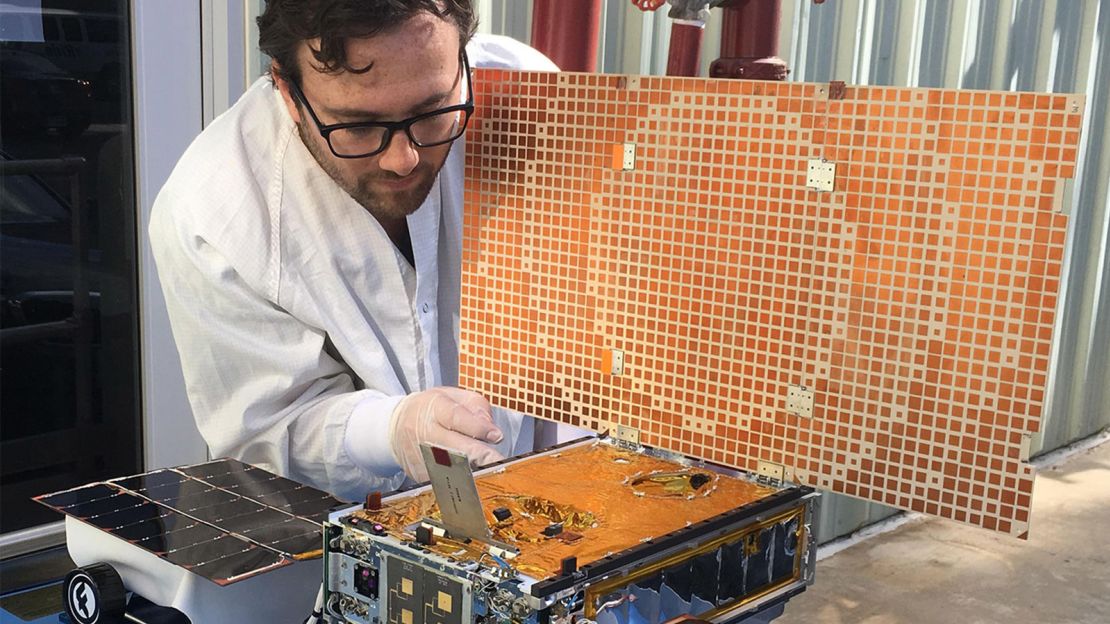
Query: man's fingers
{"x": 417, "y": 472}
{"x": 478, "y": 453}
{"x": 471, "y": 418}
{"x": 475, "y": 427}
{"x": 470, "y": 401}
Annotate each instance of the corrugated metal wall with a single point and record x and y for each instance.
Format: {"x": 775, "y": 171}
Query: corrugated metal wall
{"x": 1021, "y": 45}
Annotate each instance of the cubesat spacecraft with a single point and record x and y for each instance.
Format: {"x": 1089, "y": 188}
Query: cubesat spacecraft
{"x": 753, "y": 289}
{"x": 599, "y": 529}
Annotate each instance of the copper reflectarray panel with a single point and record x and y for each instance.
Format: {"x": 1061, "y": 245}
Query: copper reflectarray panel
{"x": 646, "y": 252}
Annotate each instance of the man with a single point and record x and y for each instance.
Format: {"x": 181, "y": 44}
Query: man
{"x": 308, "y": 245}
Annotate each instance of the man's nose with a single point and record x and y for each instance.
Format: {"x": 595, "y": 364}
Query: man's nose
{"x": 400, "y": 156}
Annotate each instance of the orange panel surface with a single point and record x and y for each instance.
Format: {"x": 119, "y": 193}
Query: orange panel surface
{"x": 888, "y": 339}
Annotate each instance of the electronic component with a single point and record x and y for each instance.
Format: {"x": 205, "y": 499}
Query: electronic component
{"x": 568, "y": 565}
{"x": 373, "y": 501}
{"x": 366, "y": 581}
{"x": 423, "y": 535}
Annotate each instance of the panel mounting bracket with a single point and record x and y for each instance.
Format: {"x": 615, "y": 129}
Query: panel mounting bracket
{"x": 821, "y": 175}
{"x": 612, "y": 362}
{"x": 770, "y": 473}
{"x": 623, "y": 156}
{"x": 799, "y": 401}
{"x": 628, "y": 162}
{"x": 627, "y": 437}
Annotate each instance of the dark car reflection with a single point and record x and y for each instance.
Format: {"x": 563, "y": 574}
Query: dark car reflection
{"x": 50, "y": 307}
{"x": 37, "y": 257}
{"x": 39, "y": 96}
{"x": 68, "y": 314}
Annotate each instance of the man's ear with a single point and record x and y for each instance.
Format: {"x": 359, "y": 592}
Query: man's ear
{"x": 286, "y": 94}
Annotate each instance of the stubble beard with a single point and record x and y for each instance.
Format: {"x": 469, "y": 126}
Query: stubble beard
{"x": 384, "y": 206}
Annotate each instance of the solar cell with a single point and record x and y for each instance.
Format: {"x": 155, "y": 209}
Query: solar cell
{"x": 223, "y": 519}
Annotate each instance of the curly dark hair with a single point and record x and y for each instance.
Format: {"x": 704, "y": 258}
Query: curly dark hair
{"x": 286, "y": 23}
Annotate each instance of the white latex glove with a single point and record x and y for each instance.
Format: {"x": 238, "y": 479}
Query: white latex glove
{"x": 451, "y": 418}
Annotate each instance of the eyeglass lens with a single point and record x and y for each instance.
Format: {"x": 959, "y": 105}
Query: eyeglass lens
{"x": 424, "y": 132}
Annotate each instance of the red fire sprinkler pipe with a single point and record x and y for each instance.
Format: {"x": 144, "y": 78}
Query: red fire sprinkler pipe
{"x": 750, "y": 41}
{"x": 685, "y": 50}
{"x": 689, "y": 17}
{"x": 687, "y": 28}
{"x": 567, "y": 32}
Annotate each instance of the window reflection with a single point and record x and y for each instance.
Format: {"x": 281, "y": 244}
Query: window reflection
{"x": 68, "y": 311}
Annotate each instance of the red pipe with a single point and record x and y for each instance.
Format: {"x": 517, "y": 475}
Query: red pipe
{"x": 750, "y": 41}
{"x": 567, "y": 32}
{"x": 685, "y": 50}
{"x": 750, "y": 29}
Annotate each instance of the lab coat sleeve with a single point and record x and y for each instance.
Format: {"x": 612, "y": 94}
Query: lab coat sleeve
{"x": 262, "y": 384}
{"x": 500, "y": 52}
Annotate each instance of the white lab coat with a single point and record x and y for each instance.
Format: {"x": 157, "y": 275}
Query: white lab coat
{"x": 294, "y": 314}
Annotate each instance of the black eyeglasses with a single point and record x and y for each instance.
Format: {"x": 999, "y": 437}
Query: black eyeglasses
{"x": 361, "y": 139}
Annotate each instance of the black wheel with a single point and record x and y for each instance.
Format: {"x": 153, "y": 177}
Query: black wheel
{"x": 94, "y": 593}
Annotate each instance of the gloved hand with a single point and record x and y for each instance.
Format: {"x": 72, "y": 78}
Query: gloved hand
{"x": 447, "y": 417}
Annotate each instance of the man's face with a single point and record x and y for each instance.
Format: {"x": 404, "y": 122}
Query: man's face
{"x": 415, "y": 69}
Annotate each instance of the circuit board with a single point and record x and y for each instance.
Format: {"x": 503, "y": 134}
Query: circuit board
{"x": 603, "y": 500}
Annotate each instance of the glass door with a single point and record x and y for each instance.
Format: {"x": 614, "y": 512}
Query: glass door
{"x": 69, "y": 366}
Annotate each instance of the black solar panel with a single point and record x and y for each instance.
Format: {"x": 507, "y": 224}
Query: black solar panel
{"x": 223, "y": 519}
